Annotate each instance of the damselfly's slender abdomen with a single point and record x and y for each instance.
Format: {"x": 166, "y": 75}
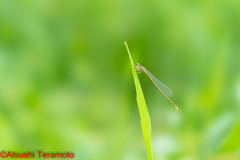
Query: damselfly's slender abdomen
{"x": 162, "y": 87}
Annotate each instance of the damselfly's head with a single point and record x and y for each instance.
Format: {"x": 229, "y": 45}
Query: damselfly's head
{"x": 137, "y": 64}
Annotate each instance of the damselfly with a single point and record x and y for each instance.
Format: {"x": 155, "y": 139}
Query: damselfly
{"x": 162, "y": 87}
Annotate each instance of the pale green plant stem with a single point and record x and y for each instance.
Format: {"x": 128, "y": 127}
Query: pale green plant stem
{"x": 143, "y": 111}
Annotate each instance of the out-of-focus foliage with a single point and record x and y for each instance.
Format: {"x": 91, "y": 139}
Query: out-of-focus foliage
{"x": 66, "y": 83}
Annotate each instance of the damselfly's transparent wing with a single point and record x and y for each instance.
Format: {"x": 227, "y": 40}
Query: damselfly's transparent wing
{"x": 162, "y": 86}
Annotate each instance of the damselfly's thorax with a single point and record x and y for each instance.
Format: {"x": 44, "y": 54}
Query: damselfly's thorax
{"x": 138, "y": 66}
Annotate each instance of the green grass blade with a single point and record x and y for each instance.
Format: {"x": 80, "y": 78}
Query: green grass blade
{"x": 142, "y": 107}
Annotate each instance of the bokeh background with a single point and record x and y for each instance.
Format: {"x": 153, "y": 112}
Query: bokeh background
{"x": 66, "y": 82}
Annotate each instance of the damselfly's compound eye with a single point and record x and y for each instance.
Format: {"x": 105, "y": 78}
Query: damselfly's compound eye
{"x": 137, "y": 64}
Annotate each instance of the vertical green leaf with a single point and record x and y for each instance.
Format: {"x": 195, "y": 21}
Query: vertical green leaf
{"x": 142, "y": 107}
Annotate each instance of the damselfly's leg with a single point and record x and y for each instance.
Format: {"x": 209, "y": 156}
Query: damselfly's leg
{"x": 138, "y": 70}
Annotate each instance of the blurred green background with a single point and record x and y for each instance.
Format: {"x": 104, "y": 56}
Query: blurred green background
{"x": 66, "y": 82}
